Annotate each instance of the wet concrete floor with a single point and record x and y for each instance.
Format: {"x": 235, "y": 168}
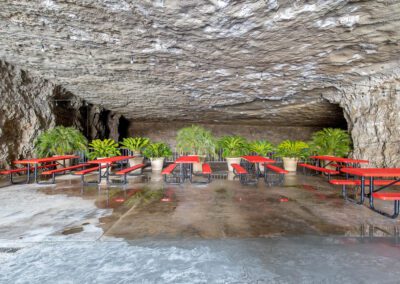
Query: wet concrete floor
{"x": 303, "y": 205}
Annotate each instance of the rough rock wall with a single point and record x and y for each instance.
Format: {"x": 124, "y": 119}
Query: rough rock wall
{"x": 29, "y": 105}
{"x": 372, "y": 110}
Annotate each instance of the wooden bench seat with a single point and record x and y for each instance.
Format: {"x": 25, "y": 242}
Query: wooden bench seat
{"x": 66, "y": 169}
{"x": 87, "y": 171}
{"x": 379, "y": 182}
{"x": 169, "y": 169}
{"x": 126, "y": 171}
{"x": 12, "y": 171}
{"x": 22, "y": 170}
{"x": 276, "y": 169}
{"x": 61, "y": 170}
{"x": 243, "y": 174}
{"x": 329, "y": 172}
{"x": 388, "y": 196}
{"x": 238, "y": 169}
{"x": 273, "y": 179}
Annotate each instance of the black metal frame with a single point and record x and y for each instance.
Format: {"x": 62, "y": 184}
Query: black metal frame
{"x": 246, "y": 179}
{"x": 270, "y": 173}
{"x": 396, "y": 209}
{"x": 124, "y": 180}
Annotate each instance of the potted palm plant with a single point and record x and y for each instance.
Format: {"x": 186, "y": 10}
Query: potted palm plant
{"x": 60, "y": 141}
{"x": 291, "y": 152}
{"x": 100, "y": 149}
{"x": 262, "y": 148}
{"x": 331, "y": 142}
{"x": 196, "y": 140}
{"x": 233, "y": 147}
{"x": 157, "y": 152}
{"x": 136, "y": 145}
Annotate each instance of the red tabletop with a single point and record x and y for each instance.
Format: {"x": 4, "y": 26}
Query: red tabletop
{"x": 44, "y": 160}
{"x": 257, "y": 159}
{"x": 110, "y": 160}
{"x": 188, "y": 160}
{"x": 373, "y": 172}
{"x": 339, "y": 159}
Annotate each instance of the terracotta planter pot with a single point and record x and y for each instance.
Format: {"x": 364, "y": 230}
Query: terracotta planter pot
{"x": 231, "y": 161}
{"x": 157, "y": 164}
{"x": 290, "y": 164}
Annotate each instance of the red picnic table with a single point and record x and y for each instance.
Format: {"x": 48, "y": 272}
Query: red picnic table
{"x": 346, "y": 161}
{"x": 38, "y": 161}
{"x": 371, "y": 174}
{"x": 256, "y": 161}
{"x": 108, "y": 162}
{"x": 186, "y": 166}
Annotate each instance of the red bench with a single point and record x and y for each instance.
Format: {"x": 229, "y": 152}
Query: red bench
{"x": 388, "y": 196}
{"x": 62, "y": 170}
{"x": 357, "y": 182}
{"x": 169, "y": 176}
{"x": 243, "y": 174}
{"x": 270, "y": 181}
{"x": 126, "y": 171}
{"x": 205, "y": 172}
{"x": 82, "y": 173}
{"x": 319, "y": 169}
{"x": 20, "y": 170}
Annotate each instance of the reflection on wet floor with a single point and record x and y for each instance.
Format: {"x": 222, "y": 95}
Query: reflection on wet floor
{"x": 225, "y": 209}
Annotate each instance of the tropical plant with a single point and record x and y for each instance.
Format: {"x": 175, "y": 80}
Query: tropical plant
{"x": 261, "y": 147}
{"x": 103, "y": 149}
{"x": 60, "y": 141}
{"x": 196, "y": 140}
{"x": 233, "y": 146}
{"x": 331, "y": 141}
{"x": 135, "y": 144}
{"x": 292, "y": 149}
{"x": 157, "y": 150}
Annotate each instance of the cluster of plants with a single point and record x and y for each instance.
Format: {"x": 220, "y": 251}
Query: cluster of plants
{"x": 192, "y": 140}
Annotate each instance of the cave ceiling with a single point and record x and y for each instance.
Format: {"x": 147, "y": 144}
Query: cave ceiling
{"x": 264, "y": 62}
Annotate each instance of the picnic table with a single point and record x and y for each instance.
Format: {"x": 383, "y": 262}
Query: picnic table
{"x": 35, "y": 162}
{"x": 333, "y": 159}
{"x": 371, "y": 174}
{"x": 107, "y": 162}
{"x": 253, "y": 163}
{"x": 186, "y": 166}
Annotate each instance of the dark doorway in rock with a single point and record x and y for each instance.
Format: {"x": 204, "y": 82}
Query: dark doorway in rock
{"x": 123, "y": 128}
{"x": 338, "y": 119}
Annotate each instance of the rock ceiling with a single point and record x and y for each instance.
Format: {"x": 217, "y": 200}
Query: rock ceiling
{"x": 205, "y": 60}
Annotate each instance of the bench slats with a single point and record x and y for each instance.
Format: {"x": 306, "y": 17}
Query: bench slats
{"x": 84, "y": 172}
{"x": 276, "y": 169}
{"x": 206, "y": 169}
{"x": 239, "y": 169}
{"x": 65, "y": 169}
{"x": 169, "y": 169}
{"x": 381, "y": 182}
{"x": 319, "y": 169}
{"x": 7, "y": 172}
{"x": 130, "y": 169}
{"x": 386, "y": 195}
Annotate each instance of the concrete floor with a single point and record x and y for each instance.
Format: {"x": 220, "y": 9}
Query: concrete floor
{"x": 148, "y": 232}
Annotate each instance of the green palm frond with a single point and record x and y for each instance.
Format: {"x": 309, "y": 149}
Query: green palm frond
{"x": 103, "y": 148}
{"x": 157, "y": 150}
{"x": 233, "y": 146}
{"x": 135, "y": 144}
{"x": 292, "y": 149}
{"x": 262, "y": 147}
{"x": 331, "y": 141}
{"x": 60, "y": 141}
{"x": 195, "y": 139}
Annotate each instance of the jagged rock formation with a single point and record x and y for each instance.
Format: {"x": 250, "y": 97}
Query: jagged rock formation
{"x": 263, "y": 62}
{"x": 30, "y": 104}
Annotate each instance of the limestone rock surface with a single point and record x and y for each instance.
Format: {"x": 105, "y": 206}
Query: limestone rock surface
{"x": 265, "y": 62}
